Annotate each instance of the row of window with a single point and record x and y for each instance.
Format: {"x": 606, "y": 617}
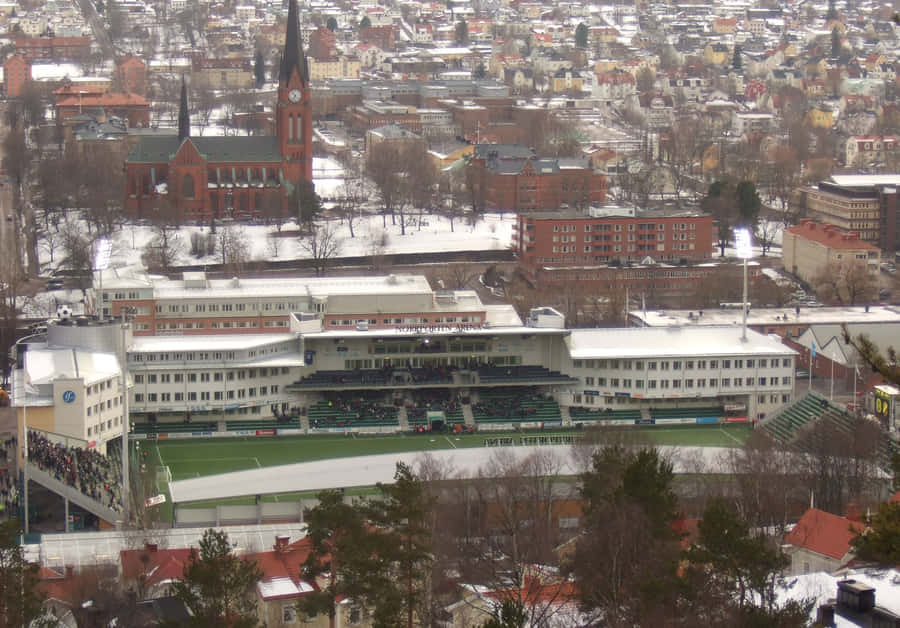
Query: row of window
{"x": 590, "y": 400}
{"x": 204, "y": 356}
{"x": 212, "y": 308}
{"x": 676, "y": 365}
{"x": 605, "y": 248}
{"x": 205, "y": 395}
{"x": 97, "y": 408}
{"x": 701, "y": 382}
{"x": 684, "y": 226}
{"x": 206, "y": 376}
{"x": 437, "y": 320}
{"x": 96, "y": 388}
{"x": 181, "y": 325}
{"x": 97, "y": 430}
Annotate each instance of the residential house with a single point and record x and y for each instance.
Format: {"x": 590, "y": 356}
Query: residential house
{"x": 862, "y": 151}
{"x": 821, "y": 542}
{"x": 819, "y": 118}
{"x": 565, "y": 82}
{"x": 716, "y": 54}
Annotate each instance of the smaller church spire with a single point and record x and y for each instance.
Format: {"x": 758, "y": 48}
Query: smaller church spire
{"x": 184, "y": 116}
{"x": 293, "y": 55}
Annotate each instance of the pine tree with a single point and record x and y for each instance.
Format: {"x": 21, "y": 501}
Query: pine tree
{"x": 581, "y": 35}
{"x": 737, "y": 61}
{"x": 462, "y": 32}
{"x": 331, "y": 24}
{"x": 259, "y": 69}
{"x": 20, "y": 602}
{"x": 881, "y": 543}
{"x": 217, "y": 584}
{"x": 403, "y": 516}
{"x": 835, "y": 43}
{"x": 341, "y": 555}
{"x": 832, "y": 13}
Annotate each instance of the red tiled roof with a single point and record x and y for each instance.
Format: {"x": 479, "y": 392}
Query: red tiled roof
{"x": 829, "y": 235}
{"x": 108, "y": 99}
{"x": 159, "y": 565}
{"x": 821, "y": 532}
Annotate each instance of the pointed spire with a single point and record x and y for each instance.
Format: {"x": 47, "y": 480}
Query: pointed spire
{"x": 184, "y": 116}
{"x": 293, "y": 55}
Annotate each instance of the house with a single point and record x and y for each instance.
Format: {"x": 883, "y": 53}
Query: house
{"x": 131, "y": 74}
{"x": 862, "y": 151}
{"x": 16, "y": 75}
{"x": 716, "y": 54}
{"x": 810, "y": 247}
{"x": 821, "y": 542}
{"x": 565, "y": 81}
{"x": 819, "y": 118}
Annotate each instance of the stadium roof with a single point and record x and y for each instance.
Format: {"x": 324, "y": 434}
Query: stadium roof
{"x": 638, "y": 342}
{"x": 769, "y": 316}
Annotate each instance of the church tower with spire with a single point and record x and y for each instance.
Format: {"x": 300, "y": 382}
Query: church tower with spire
{"x": 293, "y": 110}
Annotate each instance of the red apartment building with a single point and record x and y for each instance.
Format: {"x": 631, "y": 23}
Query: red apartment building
{"x": 600, "y": 236}
{"x": 609, "y": 249}
{"x": 322, "y": 44}
{"x": 54, "y": 48}
{"x": 131, "y": 107}
{"x": 512, "y": 178}
{"x": 131, "y": 73}
{"x": 16, "y": 74}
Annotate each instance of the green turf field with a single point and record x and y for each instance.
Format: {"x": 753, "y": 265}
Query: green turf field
{"x": 197, "y": 457}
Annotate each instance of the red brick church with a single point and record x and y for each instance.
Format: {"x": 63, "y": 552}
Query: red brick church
{"x": 236, "y": 177}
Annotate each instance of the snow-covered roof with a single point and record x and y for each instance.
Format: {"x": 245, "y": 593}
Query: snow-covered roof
{"x": 671, "y": 342}
{"x": 823, "y": 587}
{"x": 42, "y": 366}
{"x": 282, "y": 587}
{"x": 770, "y": 316}
{"x": 222, "y": 342}
{"x": 865, "y": 180}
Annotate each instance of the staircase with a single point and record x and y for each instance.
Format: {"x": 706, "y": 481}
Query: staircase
{"x": 75, "y": 496}
{"x": 565, "y": 416}
{"x": 645, "y": 414}
{"x": 467, "y": 414}
{"x": 403, "y": 419}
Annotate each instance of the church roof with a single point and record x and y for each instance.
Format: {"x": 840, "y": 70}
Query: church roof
{"x": 260, "y": 148}
{"x": 293, "y": 49}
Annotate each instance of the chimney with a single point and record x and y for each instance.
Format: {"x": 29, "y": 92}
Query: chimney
{"x": 853, "y": 513}
{"x": 151, "y": 547}
{"x": 825, "y": 615}
{"x": 855, "y": 596}
{"x": 70, "y": 571}
{"x": 281, "y": 543}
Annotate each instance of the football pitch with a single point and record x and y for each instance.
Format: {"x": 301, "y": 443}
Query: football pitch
{"x": 190, "y": 458}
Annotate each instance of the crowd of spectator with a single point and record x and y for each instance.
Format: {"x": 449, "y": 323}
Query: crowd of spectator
{"x": 86, "y": 470}
{"x": 9, "y": 490}
{"x": 348, "y": 409}
{"x": 514, "y": 406}
{"x": 431, "y": 401}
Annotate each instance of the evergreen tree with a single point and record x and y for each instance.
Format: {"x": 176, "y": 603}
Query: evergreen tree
{"x": 218, "y": 586}
{"x": 748, "y": 203}
{"x": 881, "y": 543}
{"x": 20, "y": 602}
{"x": 403, "y": 541}
{"x": 307, "y": 202}
{"x": 259, "y": 69}
{"x": 832, "y": 13}
{"x": 331, "y": 24}
{"x": 462, "y": 32}
{"x": 341, "y": 555}
{"x": 365, "y": 22}
{"x": 581, "y": 35}
{"x": 737, "y": 573}
{"x": 510, "y": 614}
{"x": 835, "y": 42}
{"x": 737, "y": 61}
{"x": 626, "y": 559}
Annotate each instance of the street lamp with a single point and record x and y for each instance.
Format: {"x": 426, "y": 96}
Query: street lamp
{"x": 126, "y": 313}
{"x": 744, "y": 249}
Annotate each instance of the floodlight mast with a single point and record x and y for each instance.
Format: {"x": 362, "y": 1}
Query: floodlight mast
{"x": 744, "y": 249}
{"x": 101, "y": 263}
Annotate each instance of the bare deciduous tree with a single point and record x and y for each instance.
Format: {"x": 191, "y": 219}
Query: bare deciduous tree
{"x": 322, "y": 245}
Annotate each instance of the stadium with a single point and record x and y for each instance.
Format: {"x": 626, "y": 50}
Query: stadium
{"x": 233, "y": 375}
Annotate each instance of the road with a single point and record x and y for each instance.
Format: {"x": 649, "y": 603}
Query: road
{"x": 7, "y": 224}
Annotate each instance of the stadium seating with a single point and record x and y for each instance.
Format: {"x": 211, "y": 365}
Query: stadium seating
{"x": 175, "y": 428}
{"x": 261, "y": 424}
{"x": 352, "y": 412}
{"x": 584, "y": 415}
{"x": 787, "y": 424}
{"x": 514, "y": 406}
{"x": 525, "y": 373}
{"x": 687, "y": 413}
{"x": 423, "y": 401}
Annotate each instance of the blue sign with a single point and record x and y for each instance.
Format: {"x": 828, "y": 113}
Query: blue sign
{"x": 69, "y": 396}
{"x": 813, "y": 350}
